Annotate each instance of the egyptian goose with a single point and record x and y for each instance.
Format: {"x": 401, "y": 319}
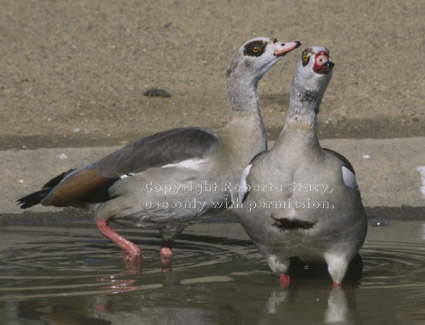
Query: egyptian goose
{"x": 170, "y": 179}
{"x": 298, "y": 198}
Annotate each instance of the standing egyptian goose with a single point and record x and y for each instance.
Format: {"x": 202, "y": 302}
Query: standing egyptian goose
{"x": 170, "y": 179}
{"x": 300, "y": 199}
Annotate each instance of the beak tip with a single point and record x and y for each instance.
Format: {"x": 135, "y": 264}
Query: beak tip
{"x": 329, "y": 65}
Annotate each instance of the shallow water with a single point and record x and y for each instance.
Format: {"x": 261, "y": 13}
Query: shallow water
{"x": 68, "y": 274}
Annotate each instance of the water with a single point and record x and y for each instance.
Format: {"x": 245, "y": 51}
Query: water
{"x": 68, "y": 274}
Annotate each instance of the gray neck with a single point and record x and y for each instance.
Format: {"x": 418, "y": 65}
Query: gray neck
{"x": 300, "y": 130}
{"x": 242, "y": 93}
{"x": 246, "y": 125}
{"x": 303, "y": 108}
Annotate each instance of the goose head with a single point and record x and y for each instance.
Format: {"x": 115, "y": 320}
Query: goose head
{"x": 314, "y": 70}
{"x": 254, "y": 58}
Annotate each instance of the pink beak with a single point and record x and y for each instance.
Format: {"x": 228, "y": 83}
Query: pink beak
{"x": 281, "y": 48}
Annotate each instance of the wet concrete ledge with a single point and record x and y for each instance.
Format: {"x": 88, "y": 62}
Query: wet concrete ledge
{"x": 353, "y": 129}
{"x": 390, "y": 174}
{"x": 71, "y": 216}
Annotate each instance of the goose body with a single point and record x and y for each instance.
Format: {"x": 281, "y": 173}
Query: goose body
{"x": 157, "y": 181}
{"x": 311, "y": 207}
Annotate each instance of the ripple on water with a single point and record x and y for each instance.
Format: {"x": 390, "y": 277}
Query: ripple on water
{"x": 41, "y": 262}
{"x": 390, "y": 264}
{"x": 53, "y": 261}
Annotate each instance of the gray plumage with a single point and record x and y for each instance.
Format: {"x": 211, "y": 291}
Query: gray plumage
{"x": 314, "y": 211}
{"x": 157, "y": 150}
{"x": 159, "y": 181}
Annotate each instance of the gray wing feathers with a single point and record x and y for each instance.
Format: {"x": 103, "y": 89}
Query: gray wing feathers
{"x": 344, "y": 161}
{"x": 157, "y": 150}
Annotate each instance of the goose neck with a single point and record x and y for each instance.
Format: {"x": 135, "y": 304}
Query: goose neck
{"x": 303, "y": 109}
{"x": 242, "y": 94}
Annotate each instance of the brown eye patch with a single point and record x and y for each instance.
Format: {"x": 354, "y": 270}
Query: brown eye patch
{"x": 305, "y": 57}
{"x": 255, "y": 48}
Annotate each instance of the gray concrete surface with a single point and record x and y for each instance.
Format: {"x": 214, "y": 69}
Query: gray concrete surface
{"x": 390, "y": 172}
{"x": 73, "y": 75}
{"x": 84, "y": 65}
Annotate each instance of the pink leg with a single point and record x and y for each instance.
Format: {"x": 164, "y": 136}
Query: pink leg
{"x": 131, "y": 251}
{"x": 166, "y": 252}
{"x": 336, "y": 285}
{"x": 284, "y": 280}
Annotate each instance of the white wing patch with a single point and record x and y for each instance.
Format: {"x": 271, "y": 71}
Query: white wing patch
{"x": 126, "y": 175}
{"x": 189, "y": 163}
{"x": 348, "y": 177}
{"x": 243, "y": 187}
{"x": 421, "y": 169}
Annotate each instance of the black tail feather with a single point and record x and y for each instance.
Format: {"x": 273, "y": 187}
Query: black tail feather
{"x": 33, "y": 198}
{"x": 56, "y": 180}
{"x": 36, "y": 197}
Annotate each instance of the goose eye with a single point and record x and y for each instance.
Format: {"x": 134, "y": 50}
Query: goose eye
{"x": 305, "y": 58}
{"x": 255, "y": 48}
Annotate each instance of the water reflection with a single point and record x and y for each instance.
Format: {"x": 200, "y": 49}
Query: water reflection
{"x": 337, "y": 310}
{"x": 116, "y": 283}
{"x": 334, "y": 309}
{"x": 194, "y": 301}
{"x": 48, "y": 276}
{"x": 198, "y": 304}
